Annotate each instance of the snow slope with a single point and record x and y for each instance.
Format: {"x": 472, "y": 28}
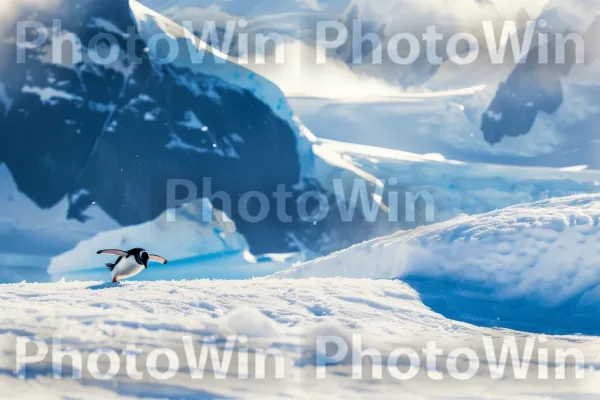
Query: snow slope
{"x": 282, "y": 314}
{"x": 531, "y": 266}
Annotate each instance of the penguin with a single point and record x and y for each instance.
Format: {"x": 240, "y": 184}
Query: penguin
{"x": 130, "y": 263}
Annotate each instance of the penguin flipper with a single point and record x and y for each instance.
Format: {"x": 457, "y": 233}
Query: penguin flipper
{"x": 110, "y": 266}
{"x": 115, "y": 252}
{"x": 158, "y": 258}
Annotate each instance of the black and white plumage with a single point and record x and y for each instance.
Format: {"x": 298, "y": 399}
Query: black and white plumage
{"x": 130, "y": 263}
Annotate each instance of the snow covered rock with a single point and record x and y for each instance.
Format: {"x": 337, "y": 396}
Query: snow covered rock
{"x": 515, "y": 114}
{"x": 110, "y": 135}
{"x": 536, "y": 85}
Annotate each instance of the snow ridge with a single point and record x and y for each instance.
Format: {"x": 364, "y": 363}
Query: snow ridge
{"x": 543, "y": 256}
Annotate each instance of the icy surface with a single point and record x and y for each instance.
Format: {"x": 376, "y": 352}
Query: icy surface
{"x": 282, "y": 314}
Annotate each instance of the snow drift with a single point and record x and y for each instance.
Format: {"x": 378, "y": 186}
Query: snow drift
{"x": 532, "y": 266}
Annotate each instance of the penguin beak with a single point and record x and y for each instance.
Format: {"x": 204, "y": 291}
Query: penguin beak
{"x": 146, "y": 264}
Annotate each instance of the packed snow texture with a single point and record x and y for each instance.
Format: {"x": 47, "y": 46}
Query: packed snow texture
{"x": 538, "y": 260}
{"x": 286, "y": 315}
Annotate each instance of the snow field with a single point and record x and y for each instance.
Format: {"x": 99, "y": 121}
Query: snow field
{"x": 287, "y": 315}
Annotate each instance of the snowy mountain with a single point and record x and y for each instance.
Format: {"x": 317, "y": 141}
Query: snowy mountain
{"x": 103, "y": 140}
{"x": 509, "y": 113}
{"x": 109, "y": 136}
{"x": 94, "y": 144}
{"x": 468, "y": 210}
{"x": 384, "y": 18}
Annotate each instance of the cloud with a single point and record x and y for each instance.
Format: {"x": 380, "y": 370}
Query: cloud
{"x": 300, "y": 75}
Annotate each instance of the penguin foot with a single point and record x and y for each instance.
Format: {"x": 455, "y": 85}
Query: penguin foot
{"x": 115, "y": 280}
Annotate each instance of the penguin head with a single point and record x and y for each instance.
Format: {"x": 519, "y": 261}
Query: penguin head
{"x": 142, "y": 257}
